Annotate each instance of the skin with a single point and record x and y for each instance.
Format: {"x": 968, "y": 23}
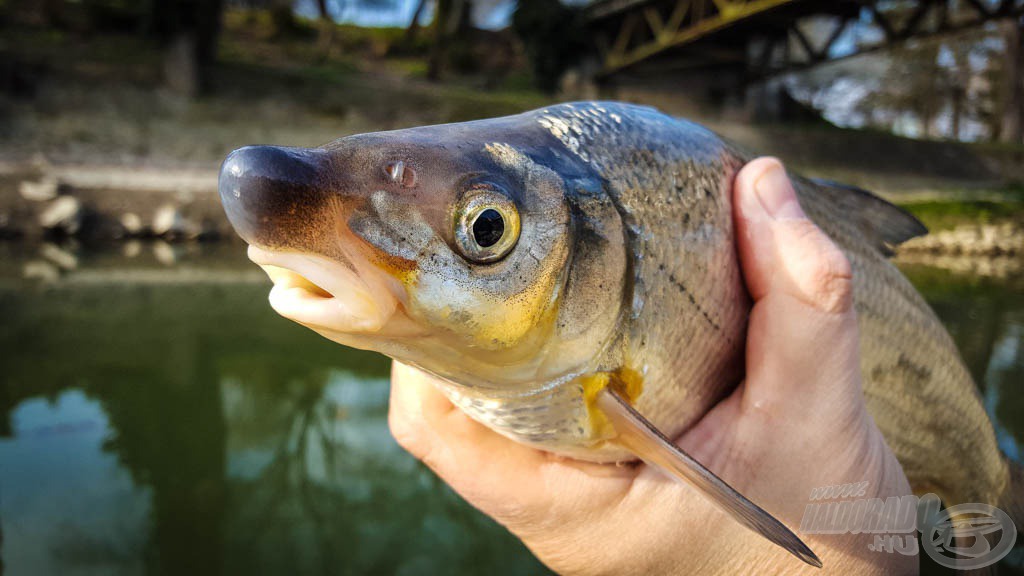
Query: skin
{"x": 585, "y": 518}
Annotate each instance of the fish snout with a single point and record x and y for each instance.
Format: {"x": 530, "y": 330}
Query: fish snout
{"x": 289, "y": 205}
{"x": 272, "y": 195}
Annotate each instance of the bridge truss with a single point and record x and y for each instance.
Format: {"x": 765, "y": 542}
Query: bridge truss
{"x": 768, "y": 36}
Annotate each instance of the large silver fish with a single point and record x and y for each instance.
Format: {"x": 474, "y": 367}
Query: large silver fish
{"x": 571, "y": 274}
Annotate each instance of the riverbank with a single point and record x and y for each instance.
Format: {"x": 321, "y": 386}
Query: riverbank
{"x": 42, "y": 201}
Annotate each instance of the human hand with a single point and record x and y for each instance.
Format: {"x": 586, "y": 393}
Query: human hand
{"x": 796, "y": 423}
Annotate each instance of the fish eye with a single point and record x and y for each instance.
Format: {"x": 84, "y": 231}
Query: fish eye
{"x": 486, "y": 226}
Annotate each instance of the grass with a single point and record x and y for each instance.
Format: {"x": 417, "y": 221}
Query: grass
{"x": 1005, "y": 205}
{"x": 939, "y": 215}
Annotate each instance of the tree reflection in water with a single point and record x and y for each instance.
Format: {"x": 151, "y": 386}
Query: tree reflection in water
{"x": 264, "y": 448}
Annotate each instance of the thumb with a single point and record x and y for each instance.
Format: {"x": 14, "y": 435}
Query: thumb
{"x": 780, "y": 248}
{"x": 802, "y": 337}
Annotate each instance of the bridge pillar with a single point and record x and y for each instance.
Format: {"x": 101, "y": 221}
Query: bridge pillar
{"x": 764, "y": 101}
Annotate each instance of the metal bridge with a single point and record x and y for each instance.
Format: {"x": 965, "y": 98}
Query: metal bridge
{"x": 768, "y": 37}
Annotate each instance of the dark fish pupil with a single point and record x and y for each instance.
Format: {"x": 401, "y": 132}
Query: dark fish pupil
{"x": 488, "y": 228}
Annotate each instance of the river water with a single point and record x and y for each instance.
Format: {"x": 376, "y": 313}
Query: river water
{"x": 157, "y": 417}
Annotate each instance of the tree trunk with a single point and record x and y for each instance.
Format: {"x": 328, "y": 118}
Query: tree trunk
{"x": 208, "y": 23}
{"x": 325, "y": 35}
{"x": 462, "y": 19}
{"x": 439, "y": 48}
{"x": 414, "y": 24}
{"x": 1012, "y": 129}
{"x": 956, "y": 112}
{"x": 53, "y": 13}
{"x": 190, "y": 31}
{"x": 961, "y": 86}
{"x": 282, "y": 16}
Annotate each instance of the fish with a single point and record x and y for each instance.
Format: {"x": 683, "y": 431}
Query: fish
{"x": 570, "y": 275}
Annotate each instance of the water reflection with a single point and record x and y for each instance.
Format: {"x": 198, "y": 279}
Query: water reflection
{"x": 985, "y": 316}
{"x": 67, "y": 503}
{"x": 156, "y": 424}
{"x": 162, "y": 419}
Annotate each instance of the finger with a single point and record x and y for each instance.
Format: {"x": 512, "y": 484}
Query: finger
{"x": 415, "y": 402}
{"x": 507, "y": 480}
{"x": 780, "y": 248}
{"x": 424, "y": 421}
{"x": 802, "y": 340}
{"x": 517, "y": 485}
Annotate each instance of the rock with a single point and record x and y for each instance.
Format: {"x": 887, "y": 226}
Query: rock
{"x": 41, "y": 270}
{"x": 132, "y": 248}
{"x": 64, "y": 259}
{"x": 165, "y": 253}
{"x": 168, "y": 221}
{"x": 65, "y": 215}
{"x": 42, "y": 191}
{"x": 971, "y": 240}
{"x": 132, "y": 224}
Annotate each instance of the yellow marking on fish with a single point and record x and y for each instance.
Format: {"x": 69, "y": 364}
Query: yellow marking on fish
{"x": 401, "y": 269}
{"x": 626, "y": 381}
{"x": 521, "y": 314}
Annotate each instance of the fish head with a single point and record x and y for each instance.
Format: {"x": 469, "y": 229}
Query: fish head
{"x": 441, "y": 247}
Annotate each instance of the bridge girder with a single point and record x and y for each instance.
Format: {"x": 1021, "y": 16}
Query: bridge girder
{"x": 628, "y": 32}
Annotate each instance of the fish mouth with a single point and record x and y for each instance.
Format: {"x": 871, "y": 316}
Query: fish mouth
{"x": 323, "y": 293}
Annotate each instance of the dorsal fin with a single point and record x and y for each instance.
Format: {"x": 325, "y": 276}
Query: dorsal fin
{"x": 883, "y": 223}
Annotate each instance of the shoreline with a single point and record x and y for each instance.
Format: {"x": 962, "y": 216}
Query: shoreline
{"x": 41, "y": 202}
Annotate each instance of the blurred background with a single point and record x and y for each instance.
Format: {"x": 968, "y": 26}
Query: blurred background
{"x": 156, "y": 417}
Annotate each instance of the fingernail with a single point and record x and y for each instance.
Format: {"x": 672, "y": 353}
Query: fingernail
{"x": 776, "y": 194}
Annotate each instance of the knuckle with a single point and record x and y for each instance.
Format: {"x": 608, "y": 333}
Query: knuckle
{"x": 826, "y": 280}
{"x": 831, "y": 286}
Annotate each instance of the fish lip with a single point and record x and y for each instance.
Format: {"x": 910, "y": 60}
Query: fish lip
{"x": 347, "y": 303}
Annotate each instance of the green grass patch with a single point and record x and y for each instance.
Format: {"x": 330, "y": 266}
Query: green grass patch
{"x": 948, "y": 214}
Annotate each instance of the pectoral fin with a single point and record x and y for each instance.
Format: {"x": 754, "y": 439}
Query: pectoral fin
{"x": 643, "y": 439}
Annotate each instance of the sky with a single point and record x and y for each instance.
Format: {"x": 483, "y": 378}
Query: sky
{"x": 490, "y": 14}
